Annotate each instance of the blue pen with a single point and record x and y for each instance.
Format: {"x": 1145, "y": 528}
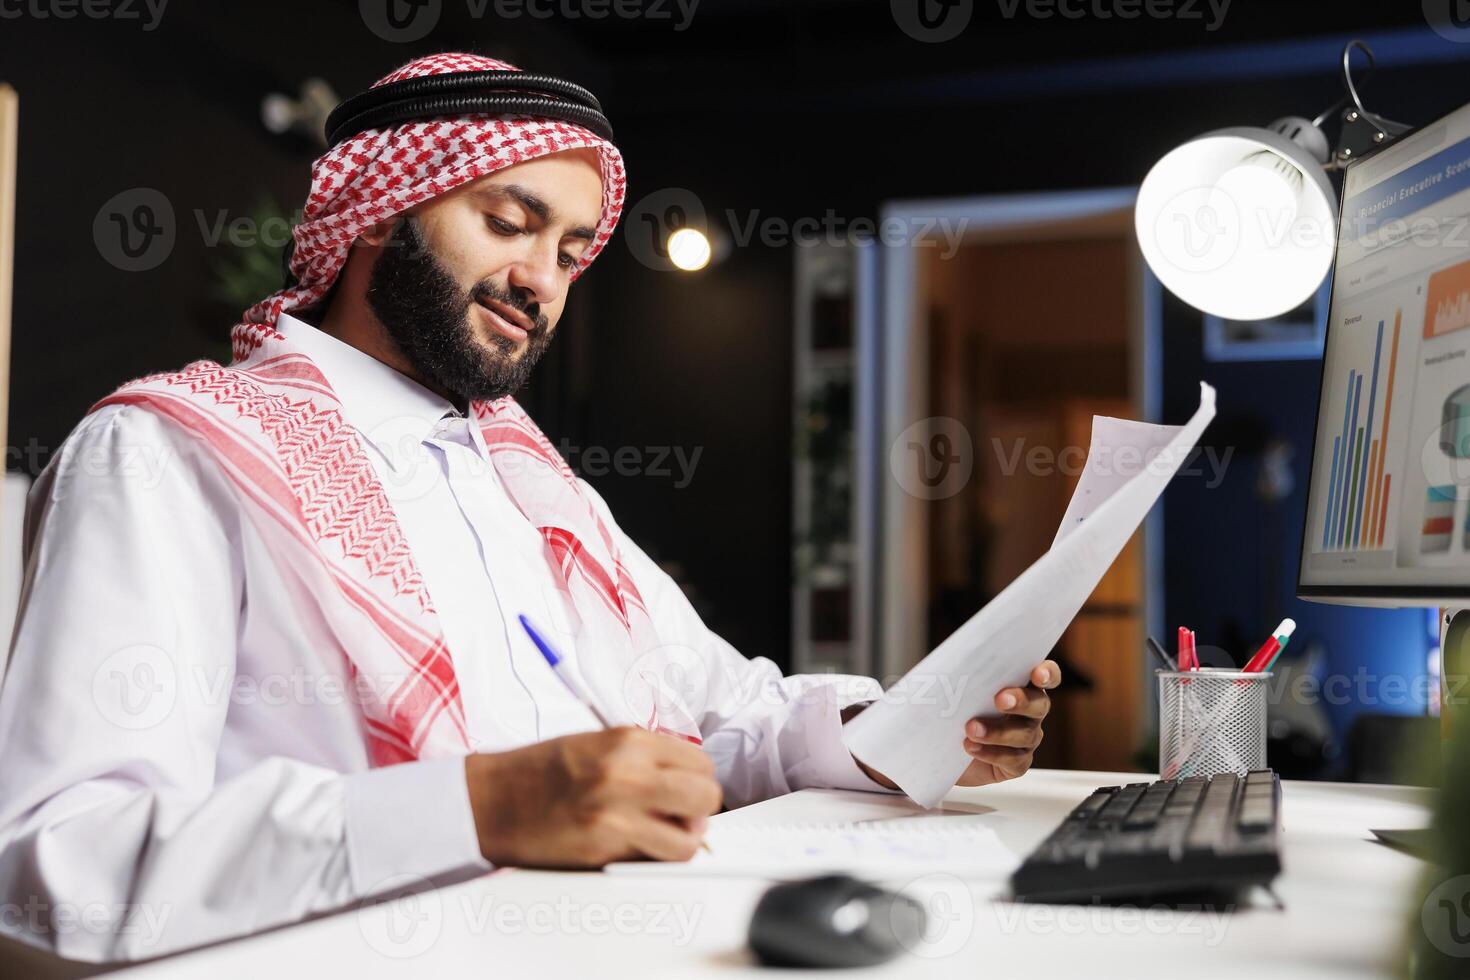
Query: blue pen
{"x": 554, "y": 659}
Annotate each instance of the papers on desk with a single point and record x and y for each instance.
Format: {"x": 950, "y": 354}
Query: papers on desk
{"x": 914, "y": 737}
{"x": 888, "y": 849}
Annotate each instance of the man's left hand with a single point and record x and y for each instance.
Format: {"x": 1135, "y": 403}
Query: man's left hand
{"x": 1002, "y": 746}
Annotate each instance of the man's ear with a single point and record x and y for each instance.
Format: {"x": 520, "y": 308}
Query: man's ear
{"x": 379, "y": 233}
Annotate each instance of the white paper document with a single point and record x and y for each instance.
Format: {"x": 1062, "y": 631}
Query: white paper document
{"x": 905, "y": 847}
{"x": 914, "y": 737}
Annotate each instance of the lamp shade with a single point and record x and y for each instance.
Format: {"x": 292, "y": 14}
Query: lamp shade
{"x": 1240, "y": 223}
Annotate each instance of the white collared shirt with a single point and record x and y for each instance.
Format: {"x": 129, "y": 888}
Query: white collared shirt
{"x": 180, "y": 764}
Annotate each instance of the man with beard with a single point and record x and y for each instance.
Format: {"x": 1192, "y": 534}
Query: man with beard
{"x": 269, "y": 660}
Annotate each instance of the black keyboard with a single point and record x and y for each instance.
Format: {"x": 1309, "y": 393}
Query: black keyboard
{"x": 1201, "y": 835}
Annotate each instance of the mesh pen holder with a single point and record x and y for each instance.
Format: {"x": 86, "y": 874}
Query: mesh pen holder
{"x": 1211, "y": 720}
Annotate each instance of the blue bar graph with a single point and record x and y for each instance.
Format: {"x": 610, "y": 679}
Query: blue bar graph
{"x": 1339, "y": 493}
{"x": 1356, "y": 435}
{"x": 1356, "y": 538}
{"x": 1331, "y": 490}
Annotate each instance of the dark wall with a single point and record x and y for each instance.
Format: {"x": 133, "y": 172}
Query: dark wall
{"x": 701, "y": 364}
{"x": 763, "y": 109}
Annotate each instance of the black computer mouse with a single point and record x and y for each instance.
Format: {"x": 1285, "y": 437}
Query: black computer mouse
{"x": 835, "y": 921}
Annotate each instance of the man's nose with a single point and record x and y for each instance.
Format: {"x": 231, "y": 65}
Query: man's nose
{"x": 536, "y": 275}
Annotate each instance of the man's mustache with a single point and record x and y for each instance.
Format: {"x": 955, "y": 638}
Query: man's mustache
{"x": 488, "y": 290}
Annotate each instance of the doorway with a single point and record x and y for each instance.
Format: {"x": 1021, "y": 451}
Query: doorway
{"x": 1040, "y": 319}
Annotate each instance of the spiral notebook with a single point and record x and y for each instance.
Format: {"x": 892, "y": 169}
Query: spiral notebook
{"x": 887, "y": 848}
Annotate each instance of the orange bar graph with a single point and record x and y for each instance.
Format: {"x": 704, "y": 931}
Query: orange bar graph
{"x": 1447, "y": 305}
{"x": 1380, "y": 479}
{"x": 1383, "y": 514}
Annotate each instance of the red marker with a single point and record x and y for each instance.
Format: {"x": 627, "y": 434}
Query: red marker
{"x": 1273, "y": 646}
{"x": 1187, "y": 658}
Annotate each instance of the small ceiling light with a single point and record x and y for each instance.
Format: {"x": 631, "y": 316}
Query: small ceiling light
{"x": 689, "y": 249}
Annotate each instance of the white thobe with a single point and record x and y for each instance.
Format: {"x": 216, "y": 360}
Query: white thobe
{"x": 178, "y": 762}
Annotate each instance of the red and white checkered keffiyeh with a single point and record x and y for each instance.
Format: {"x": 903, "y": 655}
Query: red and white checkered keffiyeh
{"x": 381, "y": 172}
{"x": 276, "y": 427}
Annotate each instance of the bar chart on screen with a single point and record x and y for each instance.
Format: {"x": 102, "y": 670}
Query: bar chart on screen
{"x": 1365, "y": 475}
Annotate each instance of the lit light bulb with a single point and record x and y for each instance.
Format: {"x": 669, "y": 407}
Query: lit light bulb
{"x": 689, "y": 249}
{"x": 1264, "y": 190}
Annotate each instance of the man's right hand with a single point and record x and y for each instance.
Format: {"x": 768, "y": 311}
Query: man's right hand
{"x": 584, "y": 800}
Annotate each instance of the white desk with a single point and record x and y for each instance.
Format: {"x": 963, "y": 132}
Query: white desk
{"x": 1346, "y": 913}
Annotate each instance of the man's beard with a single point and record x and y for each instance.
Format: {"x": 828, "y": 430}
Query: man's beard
{"x": 428, "y": 316}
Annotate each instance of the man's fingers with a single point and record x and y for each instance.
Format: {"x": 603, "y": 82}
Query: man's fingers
{"x": 663, "y": 839}
{"x": 669, "y": 750}
{"x": 1047, "y": 674}
{"x": 683, "y": 794}
{"x": 1008, "y": 730}
{"x": 1032, "y": 702}
{"x": 1003, "y": 757}
{"x": 676, "y": 753}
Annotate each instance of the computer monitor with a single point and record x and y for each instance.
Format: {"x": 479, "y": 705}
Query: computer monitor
{"x": 1388, "y": 511}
